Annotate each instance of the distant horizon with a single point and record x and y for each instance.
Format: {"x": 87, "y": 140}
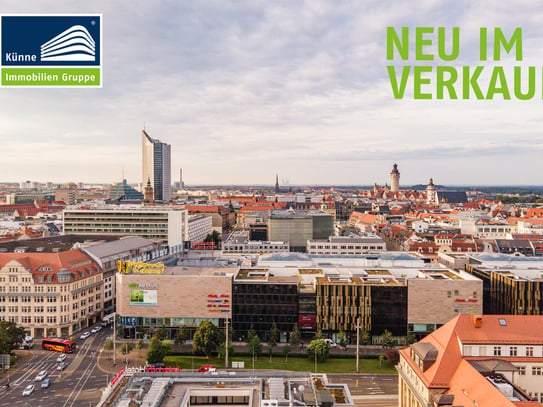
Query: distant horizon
{"x": 364, "y": 186}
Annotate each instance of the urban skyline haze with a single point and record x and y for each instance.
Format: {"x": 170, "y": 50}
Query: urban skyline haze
{"x": 242, "y": 91}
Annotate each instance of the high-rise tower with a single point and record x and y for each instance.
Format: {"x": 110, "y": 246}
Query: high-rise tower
{"x": 157, "y": 166}
{"x": 395, "y": 179}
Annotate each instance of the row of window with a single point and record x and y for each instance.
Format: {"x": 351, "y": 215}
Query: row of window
{"x": 536, "y": 371}
{"x": 513, "y": 351}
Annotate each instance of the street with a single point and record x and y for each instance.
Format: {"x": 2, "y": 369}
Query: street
{"x": 80, "y": 384}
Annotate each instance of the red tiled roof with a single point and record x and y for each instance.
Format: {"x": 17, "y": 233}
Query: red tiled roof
{"x": 75, "y": 261}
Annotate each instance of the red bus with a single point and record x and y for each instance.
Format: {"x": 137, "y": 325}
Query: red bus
{"x": 58, "y": 345}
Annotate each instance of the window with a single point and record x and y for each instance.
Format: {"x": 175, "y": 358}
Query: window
{"x": 529, "y": 351}
{"x": 536, "y": 371}
{"x": 456, "y": 293}
{"x": 502, "y": 321}
{"x": 497, "y": 350}
{"x": 26, "y": 320}
{"x": 475, "y": 294}
{"x": 512, "y": 351}
{"x": 448, "y": 293}
{"x": 522, "y": 370}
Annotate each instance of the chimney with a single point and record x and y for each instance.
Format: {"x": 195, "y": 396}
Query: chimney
{"x": 477, "y": 321}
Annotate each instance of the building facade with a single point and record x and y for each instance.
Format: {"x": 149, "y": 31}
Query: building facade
{"x": 167, "y": 225}
{"x": 484, "y": 361}
{"x": 177, "y": 296}
{"x": 345, "y": 245}
{"x": 51, "y": 294}
{"x": 156, "y": 164}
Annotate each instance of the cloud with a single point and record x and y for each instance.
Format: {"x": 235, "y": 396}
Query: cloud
{"x": 256, "y": 86}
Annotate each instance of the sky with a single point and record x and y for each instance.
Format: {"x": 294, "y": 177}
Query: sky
{"x": 244, "y": 90}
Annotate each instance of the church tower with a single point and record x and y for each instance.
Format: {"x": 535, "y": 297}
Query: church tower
{"x": 148, "y": 193}
{"x": 276, "y": 183}
{"x": 431, "y": 193}
{"x": 395, "y": 179}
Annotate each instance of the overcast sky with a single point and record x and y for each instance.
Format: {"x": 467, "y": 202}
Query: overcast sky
{"x": 243, "y": 90}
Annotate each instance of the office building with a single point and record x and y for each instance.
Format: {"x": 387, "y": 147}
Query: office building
{"x": 157, "y": 167}
{"x": 346, "y": 245}
{"x": 167, "y": 225}
{"x": 296, "y": 227}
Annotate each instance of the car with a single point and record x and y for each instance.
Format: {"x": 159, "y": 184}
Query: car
{"x": 61, "y": 358}
{"x": 28, "y": 390}
{"x": 330, "y": 342}
{"x": 206, "y": 368}
{"x": 40, "y": 376}
{"x": 61, "y": 366}
{"x": 85, "y": 335}
{"x": 96, "y": 329}
{"x": 46, "y": 383}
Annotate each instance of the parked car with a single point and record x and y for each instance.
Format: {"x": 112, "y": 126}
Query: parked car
{"x": 61, "y": 366}
{"x": 96, "y": 329}
{"x": 61, "y": 358}
{"x": 46, "y": 383}
{"x": 85, "y": 335}
{"x": 28, "y": 390}
{"x": 40, "y": 376}
{"x": 330, "y": 342}
{"x": 207, "y": 368}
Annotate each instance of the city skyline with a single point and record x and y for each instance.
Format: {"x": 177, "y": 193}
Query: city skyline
{"x": 243, "y": 91}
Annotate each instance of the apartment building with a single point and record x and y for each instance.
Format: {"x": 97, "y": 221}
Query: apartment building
{"x": 51, "y": 294}
{"x": 482, "y": 361}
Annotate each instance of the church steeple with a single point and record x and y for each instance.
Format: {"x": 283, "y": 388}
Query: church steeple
{"x": 148, "y": 193}
{"x": 276, "y": 183}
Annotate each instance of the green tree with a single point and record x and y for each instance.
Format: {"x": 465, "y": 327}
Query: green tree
{"x": 342, "y": 338}
{"x": 108, "y": 345}
{"x": 11, "y": 336}
{"x": 364, "y": 337}
{"x": 161, "y": 333}
{"x": 273, "y": 335}
{"x": 286, "y": 350}
{"x": 181, "y": 336}
{"x": 318, "y": 334}
{"x": 221, "y": 351}
{"x": 139, "y": 344}
{"x": 213, "y": 237}
{"x": 254, "y": 346}
{"x": 295, "y": 336}
{"x": 387, "y": 340}
{"x": 318, "y": 347}
{"x": 157, "y": 350}
{"x": 206, "y": 339}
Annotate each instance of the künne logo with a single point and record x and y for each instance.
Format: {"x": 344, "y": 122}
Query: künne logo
{"x": 74, "y": 44}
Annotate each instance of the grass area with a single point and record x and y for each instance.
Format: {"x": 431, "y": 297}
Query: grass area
{"x": 303, "y": 364}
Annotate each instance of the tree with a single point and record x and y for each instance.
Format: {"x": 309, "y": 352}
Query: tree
{"x": 221, "y": 351}
{"x": 295, "y": 336}
{"x": 206, "y": 339}
{"x": 160, "y": 333}
{"x": 126, "y": 348}
{"x": 387, "y": 339}
{"x": 342, "y": 338}
{"x": 318, "y": 334}
{"x": 254, "y": 346}
{"x": 273, "y": 335}
{"x": 11, "y": 336}
{"x": 213, "y": 237}
{"x": 320, "y": 348}
{"x": 392, "y": 355}
{"x": 157, "y": 351}
{"x": 139, "y": 344}
{"x": 181, "y": 336}
{"x": 364, "y": 337}
{"x": 286, "y": 351}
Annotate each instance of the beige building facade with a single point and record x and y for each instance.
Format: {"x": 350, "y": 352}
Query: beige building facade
{"x": 50, "y": 294}
{"x": 180, "y": 296}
